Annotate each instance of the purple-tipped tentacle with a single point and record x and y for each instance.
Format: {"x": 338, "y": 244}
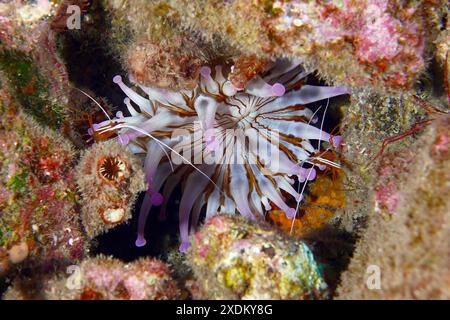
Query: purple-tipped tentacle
{"x": 307, "y": 174}
{"x": 135, "y": 97}
{"x": 130, "y": 108}
{"x": 157, "y": 122}
{"x": 259, "y": 88}
{"x": 304, "y": 95}
{"x": 152, "y": 197}
{"x": 239, "y": 188}
{"x": 165, "y": 96}
{"x": 269, "y": 190}
{"x": 206, "y": 79}
{"x": 143, "y": 214}
{"x": 195, "y": 184}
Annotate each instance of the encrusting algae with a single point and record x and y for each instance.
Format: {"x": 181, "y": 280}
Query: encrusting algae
{"x": 233, "y": 258}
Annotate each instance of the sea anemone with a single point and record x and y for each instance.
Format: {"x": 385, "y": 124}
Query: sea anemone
{"x": 233, "y": 148}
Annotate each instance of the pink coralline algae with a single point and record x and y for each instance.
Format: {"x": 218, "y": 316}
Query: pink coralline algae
{"x": 101, "y": 278}
{"x": 385, "y": 39}
{"x": 229, "y": 177}
{"x": 358, "y": 43}
{"x": 377, "y": 34}
{"x": 111, "y": 279}
{"x": 388, "y": 196}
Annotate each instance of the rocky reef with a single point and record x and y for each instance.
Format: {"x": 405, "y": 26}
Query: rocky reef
{"x": 102, "y": 278}
{"x": 234, "y": 259}
{"x": 406, "y": 236}
{"x": 334, "y": 121}
{"x": 39, "y": 222}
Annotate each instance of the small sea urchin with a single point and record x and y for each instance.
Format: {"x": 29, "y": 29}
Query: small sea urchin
{"x": 245, "y": 143}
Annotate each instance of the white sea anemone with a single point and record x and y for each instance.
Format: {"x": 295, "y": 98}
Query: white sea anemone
{"x": 247, "y": 179}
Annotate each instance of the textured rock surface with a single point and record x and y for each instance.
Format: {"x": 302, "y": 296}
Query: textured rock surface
{"x": 234, "y": 259}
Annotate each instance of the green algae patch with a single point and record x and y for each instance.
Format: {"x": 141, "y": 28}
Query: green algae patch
{"x": 18, "y": 182}
{"x": 30, "y": 88}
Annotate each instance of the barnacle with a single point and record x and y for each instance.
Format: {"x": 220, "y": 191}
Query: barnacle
{"x": 246, "y": 143}
{"x": 112, "y": 169}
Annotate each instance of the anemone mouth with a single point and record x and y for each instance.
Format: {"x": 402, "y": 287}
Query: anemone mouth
{"x": 112, "y": 169}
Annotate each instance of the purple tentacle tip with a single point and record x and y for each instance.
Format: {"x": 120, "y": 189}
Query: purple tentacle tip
{"x": 140, "y": 242}
{"x": 117, "y": 79}
{"x": 307, "y": 174}
{"x": 278, "y": 89}
{"x": 156, "y": 199}
{"x": 291, "y": 213}
{"x": 90, "y": 131}
{"x": 184, "y": 246}
{"x": 337, "y": 141}
{"x": 205, "y": 71}
{"x": 124, "y": 139}
{"x": 311, "y": 175}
